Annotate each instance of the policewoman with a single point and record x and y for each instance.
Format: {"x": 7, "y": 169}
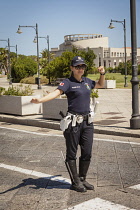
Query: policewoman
{"x": 78, "y": 123}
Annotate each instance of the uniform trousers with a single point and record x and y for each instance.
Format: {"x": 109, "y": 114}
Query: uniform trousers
{"x": 81, "y": 134}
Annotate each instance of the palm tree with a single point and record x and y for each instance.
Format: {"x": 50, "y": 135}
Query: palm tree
{"x": 46, "y": 54}
{"x": 4, "y": 60}
{"x": 44, "y": 62}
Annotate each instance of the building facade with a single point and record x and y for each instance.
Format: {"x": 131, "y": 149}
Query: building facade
{"x": 106, "y": 56}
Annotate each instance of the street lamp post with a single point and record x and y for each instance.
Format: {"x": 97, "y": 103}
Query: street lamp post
{"x": 99, "y": 59}
{"x": 48, "y": 48}
{"x": 36, "y": 29}
{"x": 9, "y": 64}
{"x": 124, "y": 27}
{"x": 16, "y": 50}
{"x": 47, "y": 38}
{"x": 48, "y": 57}
{"x": 135, "y": 119}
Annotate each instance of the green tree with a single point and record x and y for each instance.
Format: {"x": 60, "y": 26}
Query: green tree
{"x": 60, "y": 66}
{"x": 23, "y": 67}
{"x": 89, "y": 57}
{"x": 45, "y": 53}
{"x": 4, "y": 60}
{"x": 13, "y": 55}
{"x": 44, "y": 62}
{"x": 121, "y": 68}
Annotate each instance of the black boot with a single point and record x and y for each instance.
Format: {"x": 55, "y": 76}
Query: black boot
{"x": 83, "y": 168}
{"x": 77, "y": 185}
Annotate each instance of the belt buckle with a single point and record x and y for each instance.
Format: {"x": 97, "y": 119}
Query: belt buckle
{"x": 79, "y": 118}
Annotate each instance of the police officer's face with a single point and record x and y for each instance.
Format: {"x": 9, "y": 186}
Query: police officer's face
{"x": 78, "y": 70}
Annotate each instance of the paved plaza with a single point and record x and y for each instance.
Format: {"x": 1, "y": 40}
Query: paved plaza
{"x": 32, "y": 170}
{"x": 34, "y": 176}
{"x": 112, "y": 116}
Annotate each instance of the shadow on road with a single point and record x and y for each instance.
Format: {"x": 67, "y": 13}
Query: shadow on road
{"x": 41, "y": 183}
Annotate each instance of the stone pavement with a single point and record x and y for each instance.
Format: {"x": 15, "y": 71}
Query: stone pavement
{"x": 33, "y": 170}
{"x": 33, "y": 175}
{"x": 112, "y": 117}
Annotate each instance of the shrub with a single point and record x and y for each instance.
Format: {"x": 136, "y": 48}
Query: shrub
{"x": 31, "y": 80}
{"x": 108, "y": 77}
{"x": 23, "y": 67}
{"x": 1, "y": 90}
{"x": 17, "y": 91}
{"x": 94, "y": 94}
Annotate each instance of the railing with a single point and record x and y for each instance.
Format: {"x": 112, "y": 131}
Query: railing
{"x": 78, "y": 37}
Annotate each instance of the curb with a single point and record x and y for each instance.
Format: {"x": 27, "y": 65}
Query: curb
{"x": 51, "y": 124}
{"x": 116, "y": 133}
{"x": 32, "y": 122}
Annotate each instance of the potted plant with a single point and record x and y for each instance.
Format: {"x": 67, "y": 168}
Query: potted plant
{"x": 16, "y": 100}
{"x": 110, "y": 82}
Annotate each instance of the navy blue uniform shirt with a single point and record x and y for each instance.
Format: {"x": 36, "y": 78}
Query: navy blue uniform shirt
{"x": 78, "y": 94}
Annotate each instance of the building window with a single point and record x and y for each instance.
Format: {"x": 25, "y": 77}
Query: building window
{"x": 114, "y": 54}
{"x": 117, "y": 54}
{"x": 104, "y": 63}
{"x": 115, "y": 63}
{"x": 106, "y": 54}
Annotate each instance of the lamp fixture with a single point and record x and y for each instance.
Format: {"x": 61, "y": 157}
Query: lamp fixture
{"x": 35, "y": 40}
{"x": 19, "y": 30}
{"x": 111, "y": 26}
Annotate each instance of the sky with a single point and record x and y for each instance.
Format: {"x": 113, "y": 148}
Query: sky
{"x": 58, "y": 18}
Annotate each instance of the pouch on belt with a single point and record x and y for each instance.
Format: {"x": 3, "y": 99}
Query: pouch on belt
{"x": 64, "y": 123}
{"x": 90, "y": 117}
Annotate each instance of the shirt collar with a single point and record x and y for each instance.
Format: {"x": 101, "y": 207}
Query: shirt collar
{"x": 75, "y": 80}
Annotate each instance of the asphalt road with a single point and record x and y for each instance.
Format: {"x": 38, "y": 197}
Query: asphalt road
{"x": 33, "y": 173}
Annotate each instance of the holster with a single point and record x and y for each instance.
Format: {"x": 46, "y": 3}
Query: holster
{"x": 91, "y": 117}
{"x": 64, "y": 123}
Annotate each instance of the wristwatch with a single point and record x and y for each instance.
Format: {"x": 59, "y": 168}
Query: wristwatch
{"x": 102, "y": 73}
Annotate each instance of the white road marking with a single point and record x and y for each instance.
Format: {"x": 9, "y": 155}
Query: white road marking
{"x": 34, "y": 161}
{"x": 98, "y": 204}
{"x": 117, "y": 141}
{"x": 94, "y": 204}
{"x": 35, "y": 173}
{"x": 135, "y": 187}
{"x": 41, "y": 134}
{"x": 59, "y": 135}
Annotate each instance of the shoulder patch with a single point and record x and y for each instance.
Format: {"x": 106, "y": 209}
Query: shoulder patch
{"x": 61, "y": 84}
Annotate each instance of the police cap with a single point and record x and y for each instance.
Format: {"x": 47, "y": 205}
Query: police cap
{"x": 77, "y": 60}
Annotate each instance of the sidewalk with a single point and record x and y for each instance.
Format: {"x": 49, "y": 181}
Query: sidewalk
{"x": 112, "y": 117}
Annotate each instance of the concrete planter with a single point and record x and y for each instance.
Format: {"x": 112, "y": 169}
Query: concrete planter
{"x": 52, "y": 108}
{"x": 110, "y": 84}
{"x": 19, "y": 105}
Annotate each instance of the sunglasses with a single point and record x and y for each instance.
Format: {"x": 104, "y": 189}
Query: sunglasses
{"x": 80, "y": 67}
